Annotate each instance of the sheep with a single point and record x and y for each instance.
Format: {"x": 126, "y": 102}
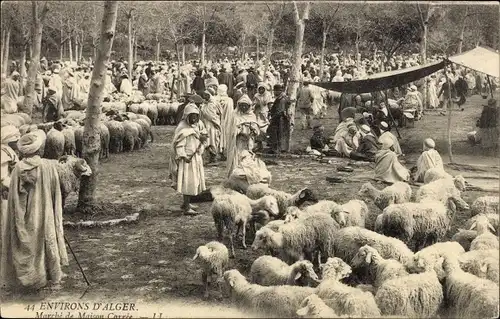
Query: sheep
{"x": 321, "y": 207}
{"x": 130, "y": 135}
{"x": 429, "y": 257}
{"x": 116, "y": 135}
{"x": 484, "y": 240}
{"x": 433, "y": 174}
{"x": 152, "y": 113}
{"x": 422, "y": 224}
{"x": 276, "y": 301}
{"x": 271, "y": 271}
{"x": 236, "y": 209}
{"x": 46, "y": 127}
{"x": 134, "y": 108}
{"x": 343, "y": 299}
{"x": 492, "y": 218}
{"x": 163, "y": 109}
{"x": 70, "y": 169}
{"x": 314, "y": 307}
{"x": 69, "y": 141}
{"x": 415, "y": 295}
{"x": 79, "y": 141}
{"x": 213, "y": 258}
{"x": 481, "y": 263}
{"x": 299, "y": 239}
{"x": 285, "y": 200}
{"x": 441, "y": 190}
{"x": 352, "y": 213}
{"x": 485, "y": 205}
{"x": 349, "y": 240}
{"x": 54, "y": 144}
{"x": 383, "y": 269}
{"x": 468, "y": 296}
{"x": 397, "y": 193}
{"x": 105, "y": 138}
{"x": 146, "y": 130}
{"x": 145, "y": 118}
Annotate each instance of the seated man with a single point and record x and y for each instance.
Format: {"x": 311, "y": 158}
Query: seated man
{"x": 348, "y": 142}
{"x": 250, "y": 170}
{"x": 368, "y": 146}
{"x": 429, "y": 158}
{"x": 318, "y": 140}
{"x": 386, "y": 132}
{"x": 387, "y": 167}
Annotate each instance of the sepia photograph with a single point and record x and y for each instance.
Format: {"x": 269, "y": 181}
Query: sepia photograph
{"x": 250, "y": 159}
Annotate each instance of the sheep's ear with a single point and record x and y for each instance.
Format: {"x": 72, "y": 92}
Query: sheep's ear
{"x": 63, "y": 159}
{"x": 298, "y": 275}
{"x": 483, "y": 268}
{"x": 231, "y": 282}
{"x": 473, "y": 226}
{"x": 302, "y": 194}
{"x": 368, "y": 258}
{"x": 302, "y": 312}
{"x": 493, "y": 230}
{"x": 195, "y": 256}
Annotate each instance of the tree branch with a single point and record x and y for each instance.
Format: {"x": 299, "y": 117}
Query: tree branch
{"x": 296, "y": 16}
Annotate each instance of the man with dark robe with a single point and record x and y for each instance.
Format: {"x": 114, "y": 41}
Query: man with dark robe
{"x": 368, "y": 146}
{"x": 226, "y": 77}
{"x": 279, "y": 127}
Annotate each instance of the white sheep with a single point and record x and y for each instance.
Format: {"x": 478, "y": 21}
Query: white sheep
{"x": 484, "y": 239}
{"x": 279, "y": 301}
{"x": 314, "y": 307}
{"x": 70, "y": 169}
{"x": 415, "y": 295}
{"x": 285, "y": 200}
{"x": 441, "y": 190}
{"x": 383, "y": 269}
{"x": 397, "y": 193}
{"x": 349, "y": 240}
{"x": 493, "y": 218}
{"x": 421, "y": 224}
{"x": 433, "y": 174}
{"x": 468, "y": 296}
{"x": 299, "y": 239}
{"x": 236, "y": 210}
{"x": 321, "y": 207}
{"x": 486, "y": 205}
{"x": 481, "y": 263}
{"x": 429, "y": 257}
{"x": 343, "y": 299}
{"x": 271, "y": 271}
{"x": 214, "y": 258}
{"x": 352, "y": 213}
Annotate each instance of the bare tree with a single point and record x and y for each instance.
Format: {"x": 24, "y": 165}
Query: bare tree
{"x": 424, "y": 23}
{"x": 276, "y": 13}
{"x": 130, "y": 42}
{"x": 327, "y": 12}
{"x": 36, "y": 32}
{"x": 91, "y": 135}
{"x": 295, "y": 75}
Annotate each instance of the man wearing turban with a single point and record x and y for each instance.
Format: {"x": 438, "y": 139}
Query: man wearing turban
{"x": 429, "y": 158}
{"x": 32, "y": 240}
{"x": 8, "y": 159}
{"x": 387, "y": 167}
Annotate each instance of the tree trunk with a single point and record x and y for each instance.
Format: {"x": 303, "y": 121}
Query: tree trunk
{"x": 300, "y": 25}
{"x": 157, "y": 48}
{"x": 95, "y": 52}
{"x": 135, "y": 50}
{"x": 91, "y": 136}
{"x": 258, "y": 47}
{"x": 183, "y": 53}
{"x": 203, "y": 44}
{"x": 80, "y": 55}
{"x": 130, "y": 46}
{"x": 448, "y": 128}
{"x": 462, "y": 31}
{"x": 243, "y": 47}
{"x": 424, "y": 61}
{"x": 322, "y": 58}
{"x": 22, "y": 63}
{"x": 5, "y": 62}
{"x": 36, "y": 38}
{"x": 4, "y": 35}
{"x": 70, "y": 48}
{"x": 77, "y": 49}
{"x": 269, "y": 49}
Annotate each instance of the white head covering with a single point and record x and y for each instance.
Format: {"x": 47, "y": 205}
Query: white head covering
{"x": 365, "y": 128}
{"x": 429, "y": 143}
{"x": 9, "y": 134}
{"x": 29, "y": 143}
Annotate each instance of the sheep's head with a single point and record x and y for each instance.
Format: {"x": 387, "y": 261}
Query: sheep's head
{"x": 335, "y": 268}
{"x": 339, "y": 215}
{"x": 309, "y": 307}
{"x": 306, "y": 269}
{"x": 233, "y": 277}
{"x": 366, "y": 255}
{"x": 264, "y": 238}
{"x": 460, "y": 182}
{"x": 305, "y": 195}
{"x": 292, "y": 213}
{"x": 202, "y": 252}
{"x": 366, "y": 190}
{"x": 59, "y": 125}
{"x": 421, "y": 263}
{"x": 271, "y": 205}
{"x": 482, "y": 225}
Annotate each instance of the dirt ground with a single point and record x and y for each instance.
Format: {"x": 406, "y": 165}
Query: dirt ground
{"x": 151, "y": 260}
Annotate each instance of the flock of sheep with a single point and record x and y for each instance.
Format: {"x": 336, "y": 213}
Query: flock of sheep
{"x": 319, "y": 261}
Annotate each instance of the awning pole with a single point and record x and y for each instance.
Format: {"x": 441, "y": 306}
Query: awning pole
{"x": 390, "y": 114}
{"x": 489, "y": 84}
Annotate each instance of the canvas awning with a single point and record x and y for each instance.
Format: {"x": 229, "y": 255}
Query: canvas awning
{"x": 480, "y": 59}
{"x": 383, "y": 81}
